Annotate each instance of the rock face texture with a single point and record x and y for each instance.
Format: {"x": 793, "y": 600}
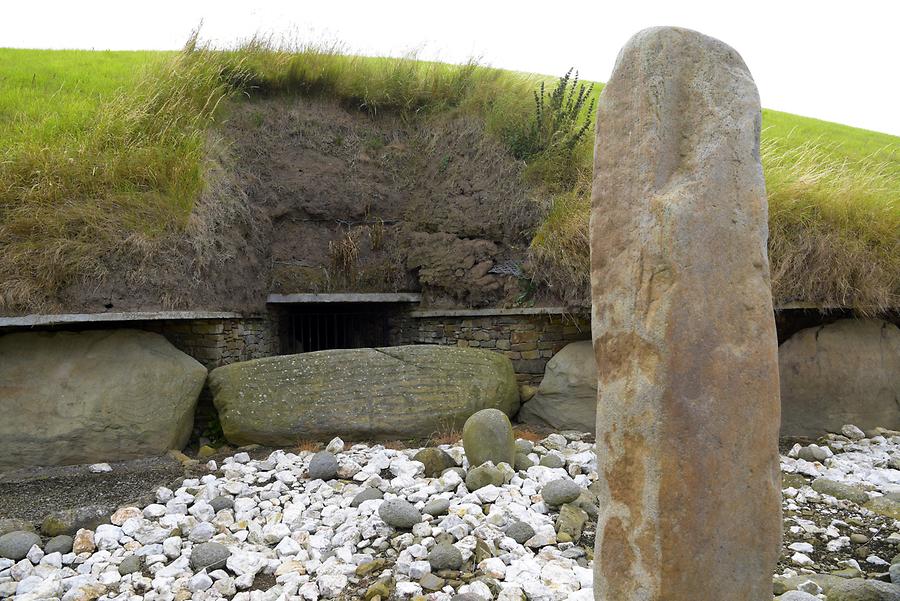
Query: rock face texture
{"x": 688, "y": 410}
{"x": 393, "y": 392}
{"x": 100, "y": 395}
{"x": 846, "y": 372}
{"x": 567, "y": 396}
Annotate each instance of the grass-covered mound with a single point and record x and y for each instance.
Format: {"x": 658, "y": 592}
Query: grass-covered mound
{"x": 107, "y": 154}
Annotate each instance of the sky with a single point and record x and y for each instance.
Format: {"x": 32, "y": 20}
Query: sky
{"x": 837, "y": 61}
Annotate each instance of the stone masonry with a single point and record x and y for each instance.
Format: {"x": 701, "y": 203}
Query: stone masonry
{"x": 528, "y": 340}
{"x": 218, "y": 342}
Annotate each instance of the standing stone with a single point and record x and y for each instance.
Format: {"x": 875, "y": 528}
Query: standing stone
{"x": 683, "y": 329}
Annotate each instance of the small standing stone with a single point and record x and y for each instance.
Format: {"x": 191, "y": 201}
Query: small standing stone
{"x": 488, "y": 436}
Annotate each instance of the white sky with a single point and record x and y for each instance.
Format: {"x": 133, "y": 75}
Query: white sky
{"x": 833, "y": 60}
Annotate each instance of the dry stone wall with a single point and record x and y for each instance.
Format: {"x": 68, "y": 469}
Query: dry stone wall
{"x": 529, "y": 341}
{"x": 219, "y": 342}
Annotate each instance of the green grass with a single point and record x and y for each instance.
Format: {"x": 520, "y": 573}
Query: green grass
{"x": 46, "y": 96}
{"x": 104, "y": 153}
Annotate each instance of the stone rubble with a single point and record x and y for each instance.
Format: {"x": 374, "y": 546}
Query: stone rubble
{"x": 261, "y": 530}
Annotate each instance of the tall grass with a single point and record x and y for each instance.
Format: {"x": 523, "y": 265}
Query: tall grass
{"x": 99, "y": 161}
{"x": 834, "y": 230}
{"x": 116, "y": 185}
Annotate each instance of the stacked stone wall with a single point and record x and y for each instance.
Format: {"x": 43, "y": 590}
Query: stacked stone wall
{"x": 218, "y": 342}
{"x": 528, "y": 340}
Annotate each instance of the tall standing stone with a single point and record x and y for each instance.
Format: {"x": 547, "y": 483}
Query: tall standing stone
{"x": 683, "y": 329}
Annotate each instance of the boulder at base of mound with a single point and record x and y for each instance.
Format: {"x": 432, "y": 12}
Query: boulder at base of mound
{"x": 393, "y": 392}
{"x": 98, "y": 395}
{"x": 846, "y": 372}
{"x": 567, "y": 396}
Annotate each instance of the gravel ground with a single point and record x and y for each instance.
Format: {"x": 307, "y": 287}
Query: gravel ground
{"x": 33, "y": 493}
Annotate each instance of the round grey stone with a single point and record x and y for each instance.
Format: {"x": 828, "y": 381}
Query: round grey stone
{"x": 221, "y": 502}
{"x": 59, "y": 544}
{"x": 211, "y": 556}
{"x": 130, "y": 565}
{"x": 437, "y": 507}
{"x": 894, "y": 572}
{"x": 369, "y": 494}
{"x": 15, "y": 545}
{"x": 466, "y": 597}
{"x": 483, "y": 475}
{"x": 399, "y": 513}
{"x": 323, "y": 466}
{"x": 445, "y": 556}
{"x": 559, "y": 492}
{"x": 519, "y": 531}
{"x": 552, "y": 460}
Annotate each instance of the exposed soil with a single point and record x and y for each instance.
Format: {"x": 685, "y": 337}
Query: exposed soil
{"x": 308, "y": 196}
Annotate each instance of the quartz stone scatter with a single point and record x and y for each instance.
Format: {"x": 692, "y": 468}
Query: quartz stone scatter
{"x": 248, "y": 532}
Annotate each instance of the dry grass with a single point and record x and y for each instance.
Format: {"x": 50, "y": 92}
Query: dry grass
{"x": 528, "y": 433}
{"x": 448, "y": 435}
{"x": 310, "y": 446}
{"x": 834, "y": 231}
{"x": 396, "y": 445}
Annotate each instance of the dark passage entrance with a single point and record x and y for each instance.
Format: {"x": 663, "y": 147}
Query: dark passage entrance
{"x": 321, "y": 326}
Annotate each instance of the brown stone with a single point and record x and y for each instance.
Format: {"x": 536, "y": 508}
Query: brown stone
{"x": 683, "y": 329}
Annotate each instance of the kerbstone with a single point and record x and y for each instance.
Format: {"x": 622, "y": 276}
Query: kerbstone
{"x": 846, "y": 372}
{"x": 683, "y": 328}
{"x": 97, "y": 395}
{"x": 394, "y": 392}
{"x": 567, "y": 396}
